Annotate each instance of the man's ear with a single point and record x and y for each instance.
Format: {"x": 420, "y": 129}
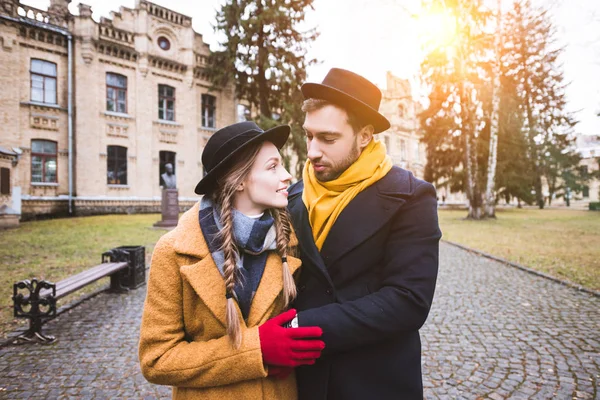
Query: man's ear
{"x": 365, "y": 136}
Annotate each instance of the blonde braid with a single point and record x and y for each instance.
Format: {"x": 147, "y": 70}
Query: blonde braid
{"x": 230, "y": 270}
{"x": 284, "y": 231}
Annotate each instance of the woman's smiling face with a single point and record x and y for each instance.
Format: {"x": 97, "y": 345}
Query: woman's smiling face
{"x": 266, "y": 185}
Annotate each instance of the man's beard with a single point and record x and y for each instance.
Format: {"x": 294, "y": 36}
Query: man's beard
{"x": 334, "y": 171}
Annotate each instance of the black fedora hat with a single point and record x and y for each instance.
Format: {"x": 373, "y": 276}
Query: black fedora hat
{"x": 351, "y": 91}
{"x": 225, "y": 143}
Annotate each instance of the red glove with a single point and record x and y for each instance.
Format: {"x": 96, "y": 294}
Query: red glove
{"x": 289, "y": 347}
{"x": 279, "y": 372}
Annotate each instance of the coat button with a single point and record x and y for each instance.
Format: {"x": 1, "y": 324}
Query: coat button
{"x": 329, "y": 291}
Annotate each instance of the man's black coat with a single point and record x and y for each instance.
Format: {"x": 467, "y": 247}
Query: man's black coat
{"x": 370, "y": 289}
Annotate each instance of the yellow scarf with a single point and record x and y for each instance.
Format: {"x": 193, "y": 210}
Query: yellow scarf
{"x": 326, "y": 200}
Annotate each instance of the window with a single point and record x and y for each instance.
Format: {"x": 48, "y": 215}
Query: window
{"x": 401, "y": 110}
{"x": 243, "y": 113}
{"x": 116, "y": 171}
{"x": 403, "y": 149}
{"x": 164, "y": 43}
{"x": 116, "y": 93}
{"x": 586, "y": 191}
{"x": 165, "y": 157}
{"x": 166, "y": 103}
{"x": 386, "y": 140}
{"x": 43, "y": 81}
{"x": 5, "y": 181}
{"x": 209, "y": 106}
{"x": 43, "y": 161}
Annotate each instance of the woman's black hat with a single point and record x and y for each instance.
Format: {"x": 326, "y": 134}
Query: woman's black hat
{"x": 225, "y": 143}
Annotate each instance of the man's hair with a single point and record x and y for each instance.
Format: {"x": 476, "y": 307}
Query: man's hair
{"x": 356, "y": 122}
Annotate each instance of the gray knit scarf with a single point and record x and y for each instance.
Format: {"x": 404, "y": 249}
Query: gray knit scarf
{"x": 253, "y": 238}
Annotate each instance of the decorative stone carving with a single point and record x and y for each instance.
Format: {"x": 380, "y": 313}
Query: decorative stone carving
{"x": 117, "y": 130}
{"x": 168, "y": 136}
{"x": 42, "y": 121}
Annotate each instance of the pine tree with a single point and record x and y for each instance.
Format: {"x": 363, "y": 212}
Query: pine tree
{"x": 264, "y": 52}
{"x": 514, "y": 174}
{"x": 532, "y": 61}
{"x": 453, "y": 124}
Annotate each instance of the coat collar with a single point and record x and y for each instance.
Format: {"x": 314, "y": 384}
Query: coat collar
{"x": 361, "y": 218}
{"x": 190, "y": 239}
{"x": 206, "y": 280}
{"x": 308, "y": 249}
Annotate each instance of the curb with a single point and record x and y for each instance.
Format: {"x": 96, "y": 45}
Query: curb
{"x": 526, "y": 269}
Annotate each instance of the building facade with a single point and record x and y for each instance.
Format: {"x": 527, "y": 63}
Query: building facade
{"x": 92, "y": 112}
{"x": 403, "y": 139}
{"x": 588, "y": 148}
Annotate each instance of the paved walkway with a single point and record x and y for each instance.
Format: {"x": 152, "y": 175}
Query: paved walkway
{"x": 494, "y": 332}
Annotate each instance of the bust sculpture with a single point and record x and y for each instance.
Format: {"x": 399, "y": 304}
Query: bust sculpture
{"x": 168, "y": 179}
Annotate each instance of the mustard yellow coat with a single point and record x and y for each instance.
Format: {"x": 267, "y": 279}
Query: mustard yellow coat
{"x": 183, "y": 339}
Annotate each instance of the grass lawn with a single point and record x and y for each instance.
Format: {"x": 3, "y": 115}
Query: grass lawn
{"x": 56, "y": 249}
{"x": 561, "y": 243}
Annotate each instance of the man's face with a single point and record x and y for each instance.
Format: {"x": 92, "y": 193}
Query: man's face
{"x": 169, "y": 169}
{"x": 331, "y": 142}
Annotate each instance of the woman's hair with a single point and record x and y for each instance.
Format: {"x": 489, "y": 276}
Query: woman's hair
{"x": 223, "y": 196}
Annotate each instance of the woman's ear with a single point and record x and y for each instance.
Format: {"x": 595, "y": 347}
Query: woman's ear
{"x": 240, "y": 187}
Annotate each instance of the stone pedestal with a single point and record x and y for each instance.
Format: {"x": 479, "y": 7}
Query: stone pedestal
{"x": 170, "y": 209}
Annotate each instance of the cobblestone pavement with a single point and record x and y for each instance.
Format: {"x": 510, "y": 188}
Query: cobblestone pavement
{"x": 497, "y": 332}
{"x": 494, "y": 332}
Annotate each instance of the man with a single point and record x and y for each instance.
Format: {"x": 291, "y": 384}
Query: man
{"x": 169, "y": 181}
{"x": 369, "y": 237}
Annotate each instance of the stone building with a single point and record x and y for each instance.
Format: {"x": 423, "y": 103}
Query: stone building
{"x": 92, "y": 111}
{"x": 402, "y": 140}
{"x": 588, "y": 148}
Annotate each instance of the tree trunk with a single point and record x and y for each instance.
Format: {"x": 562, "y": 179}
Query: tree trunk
{"x": 533, "y": 153}
{"x": 473, "y": 194}
{"x": 490, "y": 204}
{"x": 261, "y": 78}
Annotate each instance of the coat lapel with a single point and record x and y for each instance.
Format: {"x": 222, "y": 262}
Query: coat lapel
{"x": 363, "y": 217}
{"x": 202, "y": 273}
{"x": 269, "y": 288}
{"x": 206, "y": 280}
{"x": 303, "y": 230}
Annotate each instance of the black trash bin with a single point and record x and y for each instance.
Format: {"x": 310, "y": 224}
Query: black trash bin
{"x": 135, "y": 275}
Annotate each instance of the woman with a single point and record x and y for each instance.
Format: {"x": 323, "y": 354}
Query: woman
{"x": 211, "y": 325}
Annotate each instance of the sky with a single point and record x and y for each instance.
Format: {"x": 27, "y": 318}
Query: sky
{"x": 371, "y": 37}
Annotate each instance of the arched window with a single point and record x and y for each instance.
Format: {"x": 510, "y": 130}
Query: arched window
{"x": 165, "y": 157}
{"x": 116, "y": 93}
{"x": 209, "y": 111}
{"x": 43, "y": 161}
{"x": 116, "y": 166}
{"x": 166, "y": 103}
{"x": 43, "y": 81}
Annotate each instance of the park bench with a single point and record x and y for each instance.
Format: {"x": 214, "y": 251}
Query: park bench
{"x": 36, "y": 299}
